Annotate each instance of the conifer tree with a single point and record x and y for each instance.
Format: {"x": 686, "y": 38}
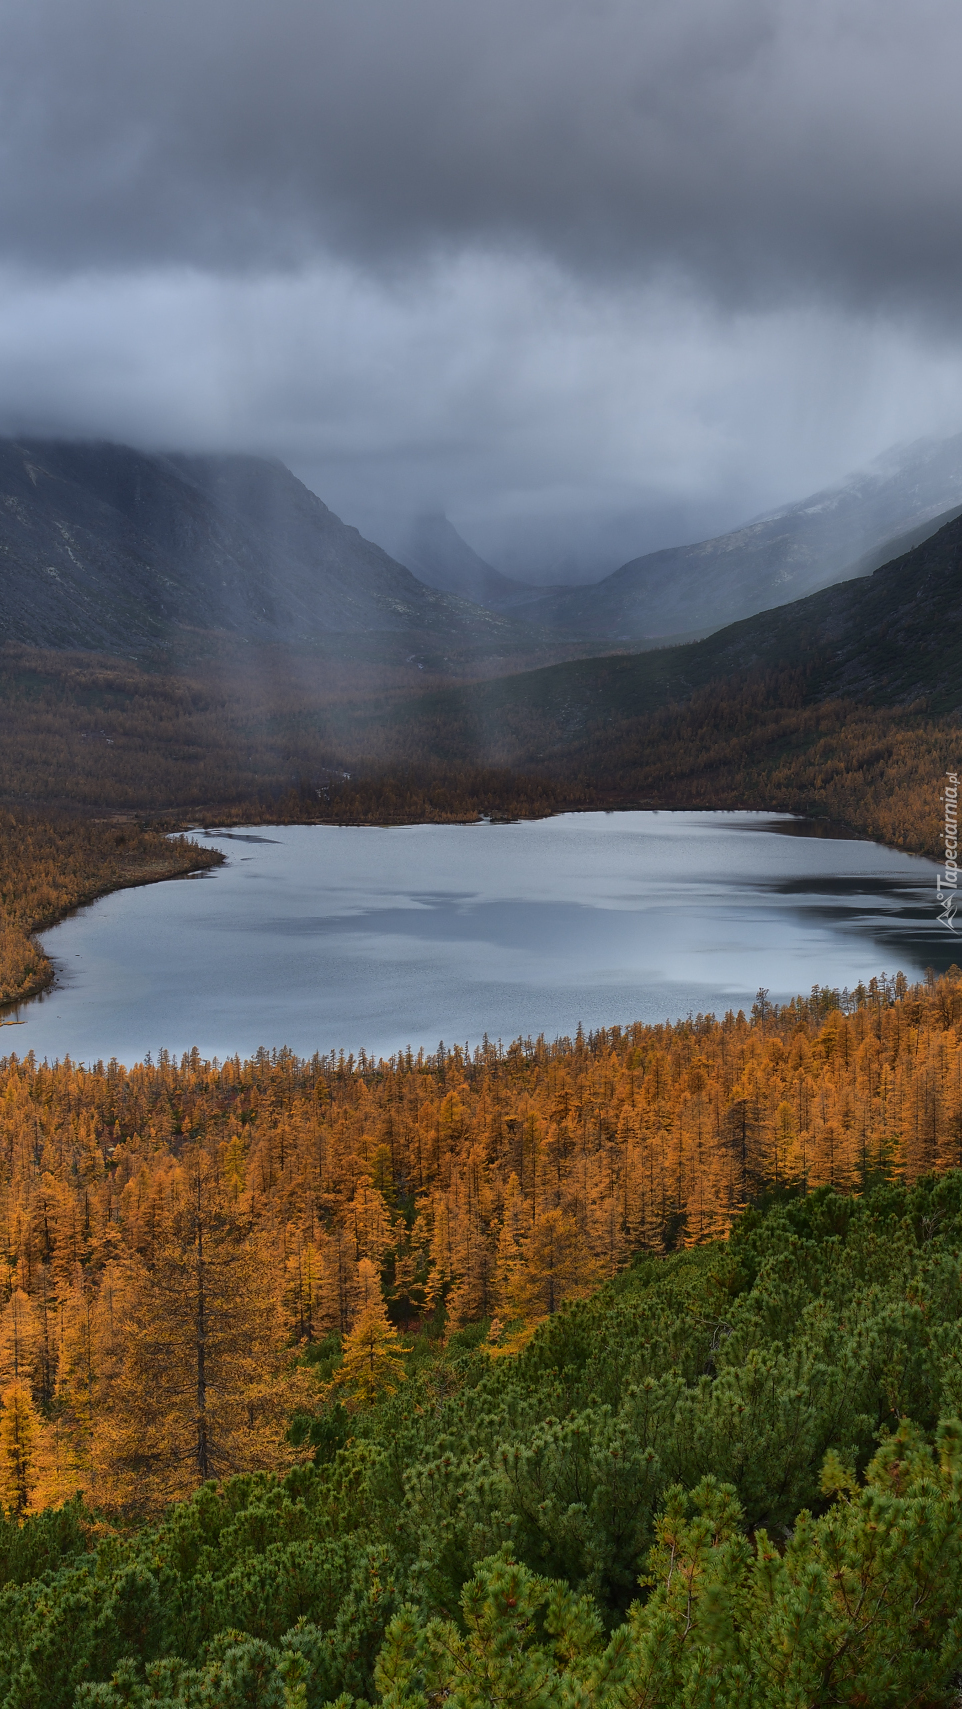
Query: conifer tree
{"x": 19, "y": 1338}
{"x": 199, "y": 1388}
{"x": 305, "y": 1291}
{"x": 19, "y": 1448}
{"x": 371, "y": 1364}
{"x": 369, "y": 1294}
{"x": 337, "y": 1304}
{"x": 556, "y": 1264}
{"x": 511, "y": 1247}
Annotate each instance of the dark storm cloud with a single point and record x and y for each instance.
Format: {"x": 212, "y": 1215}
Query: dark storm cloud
{"x": 763, "y": 148}
{"x": 594, "y": 275}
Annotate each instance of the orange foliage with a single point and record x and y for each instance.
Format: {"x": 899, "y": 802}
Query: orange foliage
{"x": 303, "y": 740}
{"x": 757, "y": 744}
{"x": 48, "y": 868}
{"x": 501, "y": 1183}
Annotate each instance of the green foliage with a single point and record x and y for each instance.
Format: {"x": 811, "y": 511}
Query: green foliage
{"x": 732, "y": 1479}
{"x": 522, "y": 1640}
{"x": 327, "y": 1432}
{"x": 43, "y": 1543}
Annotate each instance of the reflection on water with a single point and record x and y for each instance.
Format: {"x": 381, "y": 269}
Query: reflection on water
{"x": 330, "y": 937}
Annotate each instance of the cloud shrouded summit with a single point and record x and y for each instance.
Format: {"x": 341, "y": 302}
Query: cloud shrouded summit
{"x": 750, "y": 160}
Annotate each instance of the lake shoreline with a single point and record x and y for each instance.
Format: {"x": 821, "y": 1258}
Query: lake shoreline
{"x": 44, "y": 981}
{"x": 317, "y": 937}
{"x": 162, "y": 864}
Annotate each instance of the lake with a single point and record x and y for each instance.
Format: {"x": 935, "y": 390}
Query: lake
{"x": 337, "y": 937}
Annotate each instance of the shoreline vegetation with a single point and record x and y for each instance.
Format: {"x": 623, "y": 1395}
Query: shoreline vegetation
{"x": 442, "y": 1189}
{"x": 305, "y": 739}
{"x": 625, "y": 1365}
{"x": 50, "y": 866}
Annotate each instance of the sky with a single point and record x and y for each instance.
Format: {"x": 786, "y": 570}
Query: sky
{"x": 591, "y": 276}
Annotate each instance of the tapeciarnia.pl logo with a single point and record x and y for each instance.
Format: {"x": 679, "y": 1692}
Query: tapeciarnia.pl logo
{"x": 947, "y": 879}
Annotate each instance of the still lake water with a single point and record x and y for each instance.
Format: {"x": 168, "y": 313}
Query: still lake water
{"x": 331, "y": 937}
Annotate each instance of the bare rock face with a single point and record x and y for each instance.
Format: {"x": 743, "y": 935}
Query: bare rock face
{"x": 113, "y": 549}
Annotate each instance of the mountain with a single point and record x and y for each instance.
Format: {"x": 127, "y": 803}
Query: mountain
{"x": 109, "y": 548}
{"x": 890, "y": 638}
{"x": 433, "y": 549}
{"x": 845, "y": 531}
{"x": 893, "y": 637}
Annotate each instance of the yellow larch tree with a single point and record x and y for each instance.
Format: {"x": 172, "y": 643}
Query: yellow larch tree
{"x": 474, "y": 1255}
{"x": 371, "y": 1363}
{"x": 19, "y": 1338}
{"x": 195, "y": 1383}
{"x": 19, "y": 1448}
{"x": 555, "y": 1264}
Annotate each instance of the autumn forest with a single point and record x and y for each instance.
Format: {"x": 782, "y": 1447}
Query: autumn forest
{"x": 300, "y": 1198}
{"x": 480, "y": 684}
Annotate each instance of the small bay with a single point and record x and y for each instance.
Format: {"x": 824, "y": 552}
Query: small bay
{"x": 338, "y": 937}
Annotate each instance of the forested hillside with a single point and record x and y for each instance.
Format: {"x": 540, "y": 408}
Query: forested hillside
{"x": 94, "y": 734}
{"x": 892, "y": 639}
{"x": 843, "y": 705}
{"x": 730, "y": 1476}
{"x": 492, "y": 1186}
{"x": 359, "y": 1303}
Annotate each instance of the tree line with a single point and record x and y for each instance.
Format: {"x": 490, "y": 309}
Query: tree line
{"x": 324, "y": 741}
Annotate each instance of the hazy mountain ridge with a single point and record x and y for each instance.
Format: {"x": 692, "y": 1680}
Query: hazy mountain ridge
{"x": 894, "y": 636}
{"x": 106, "y": 547}
{"x": 891, "y": 638}
{"x": 840, "y": 532}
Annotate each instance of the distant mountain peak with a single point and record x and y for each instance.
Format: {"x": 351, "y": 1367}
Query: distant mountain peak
{"x": 435, "y": 552}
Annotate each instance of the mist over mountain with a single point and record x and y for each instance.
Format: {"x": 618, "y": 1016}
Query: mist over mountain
{"x": 892, "y": 638}
{"x": 110, "y": 548}
{"x": 113, "y": 549}
{"x": 433, "y": 549}
{"x": 844, "y": 531}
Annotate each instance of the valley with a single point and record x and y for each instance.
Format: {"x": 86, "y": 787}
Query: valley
{"x": 345, "y": 1243}
{"x": 381, "y": 1231}
{"x": 480, "y": 939}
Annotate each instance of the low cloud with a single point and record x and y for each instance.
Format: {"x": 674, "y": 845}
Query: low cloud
{"x": 536, "y": 411}
{"x": 761, "y": 146}
{"x": 574, "y": 269}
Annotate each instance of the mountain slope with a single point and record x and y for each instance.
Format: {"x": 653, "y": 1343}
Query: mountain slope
{"x": 892, "y": 638}
{"x": 106, "y": 547}
{"x": 845, "y": 531}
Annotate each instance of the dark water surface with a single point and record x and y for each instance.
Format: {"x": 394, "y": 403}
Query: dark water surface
{"x": 330, "y": 937}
